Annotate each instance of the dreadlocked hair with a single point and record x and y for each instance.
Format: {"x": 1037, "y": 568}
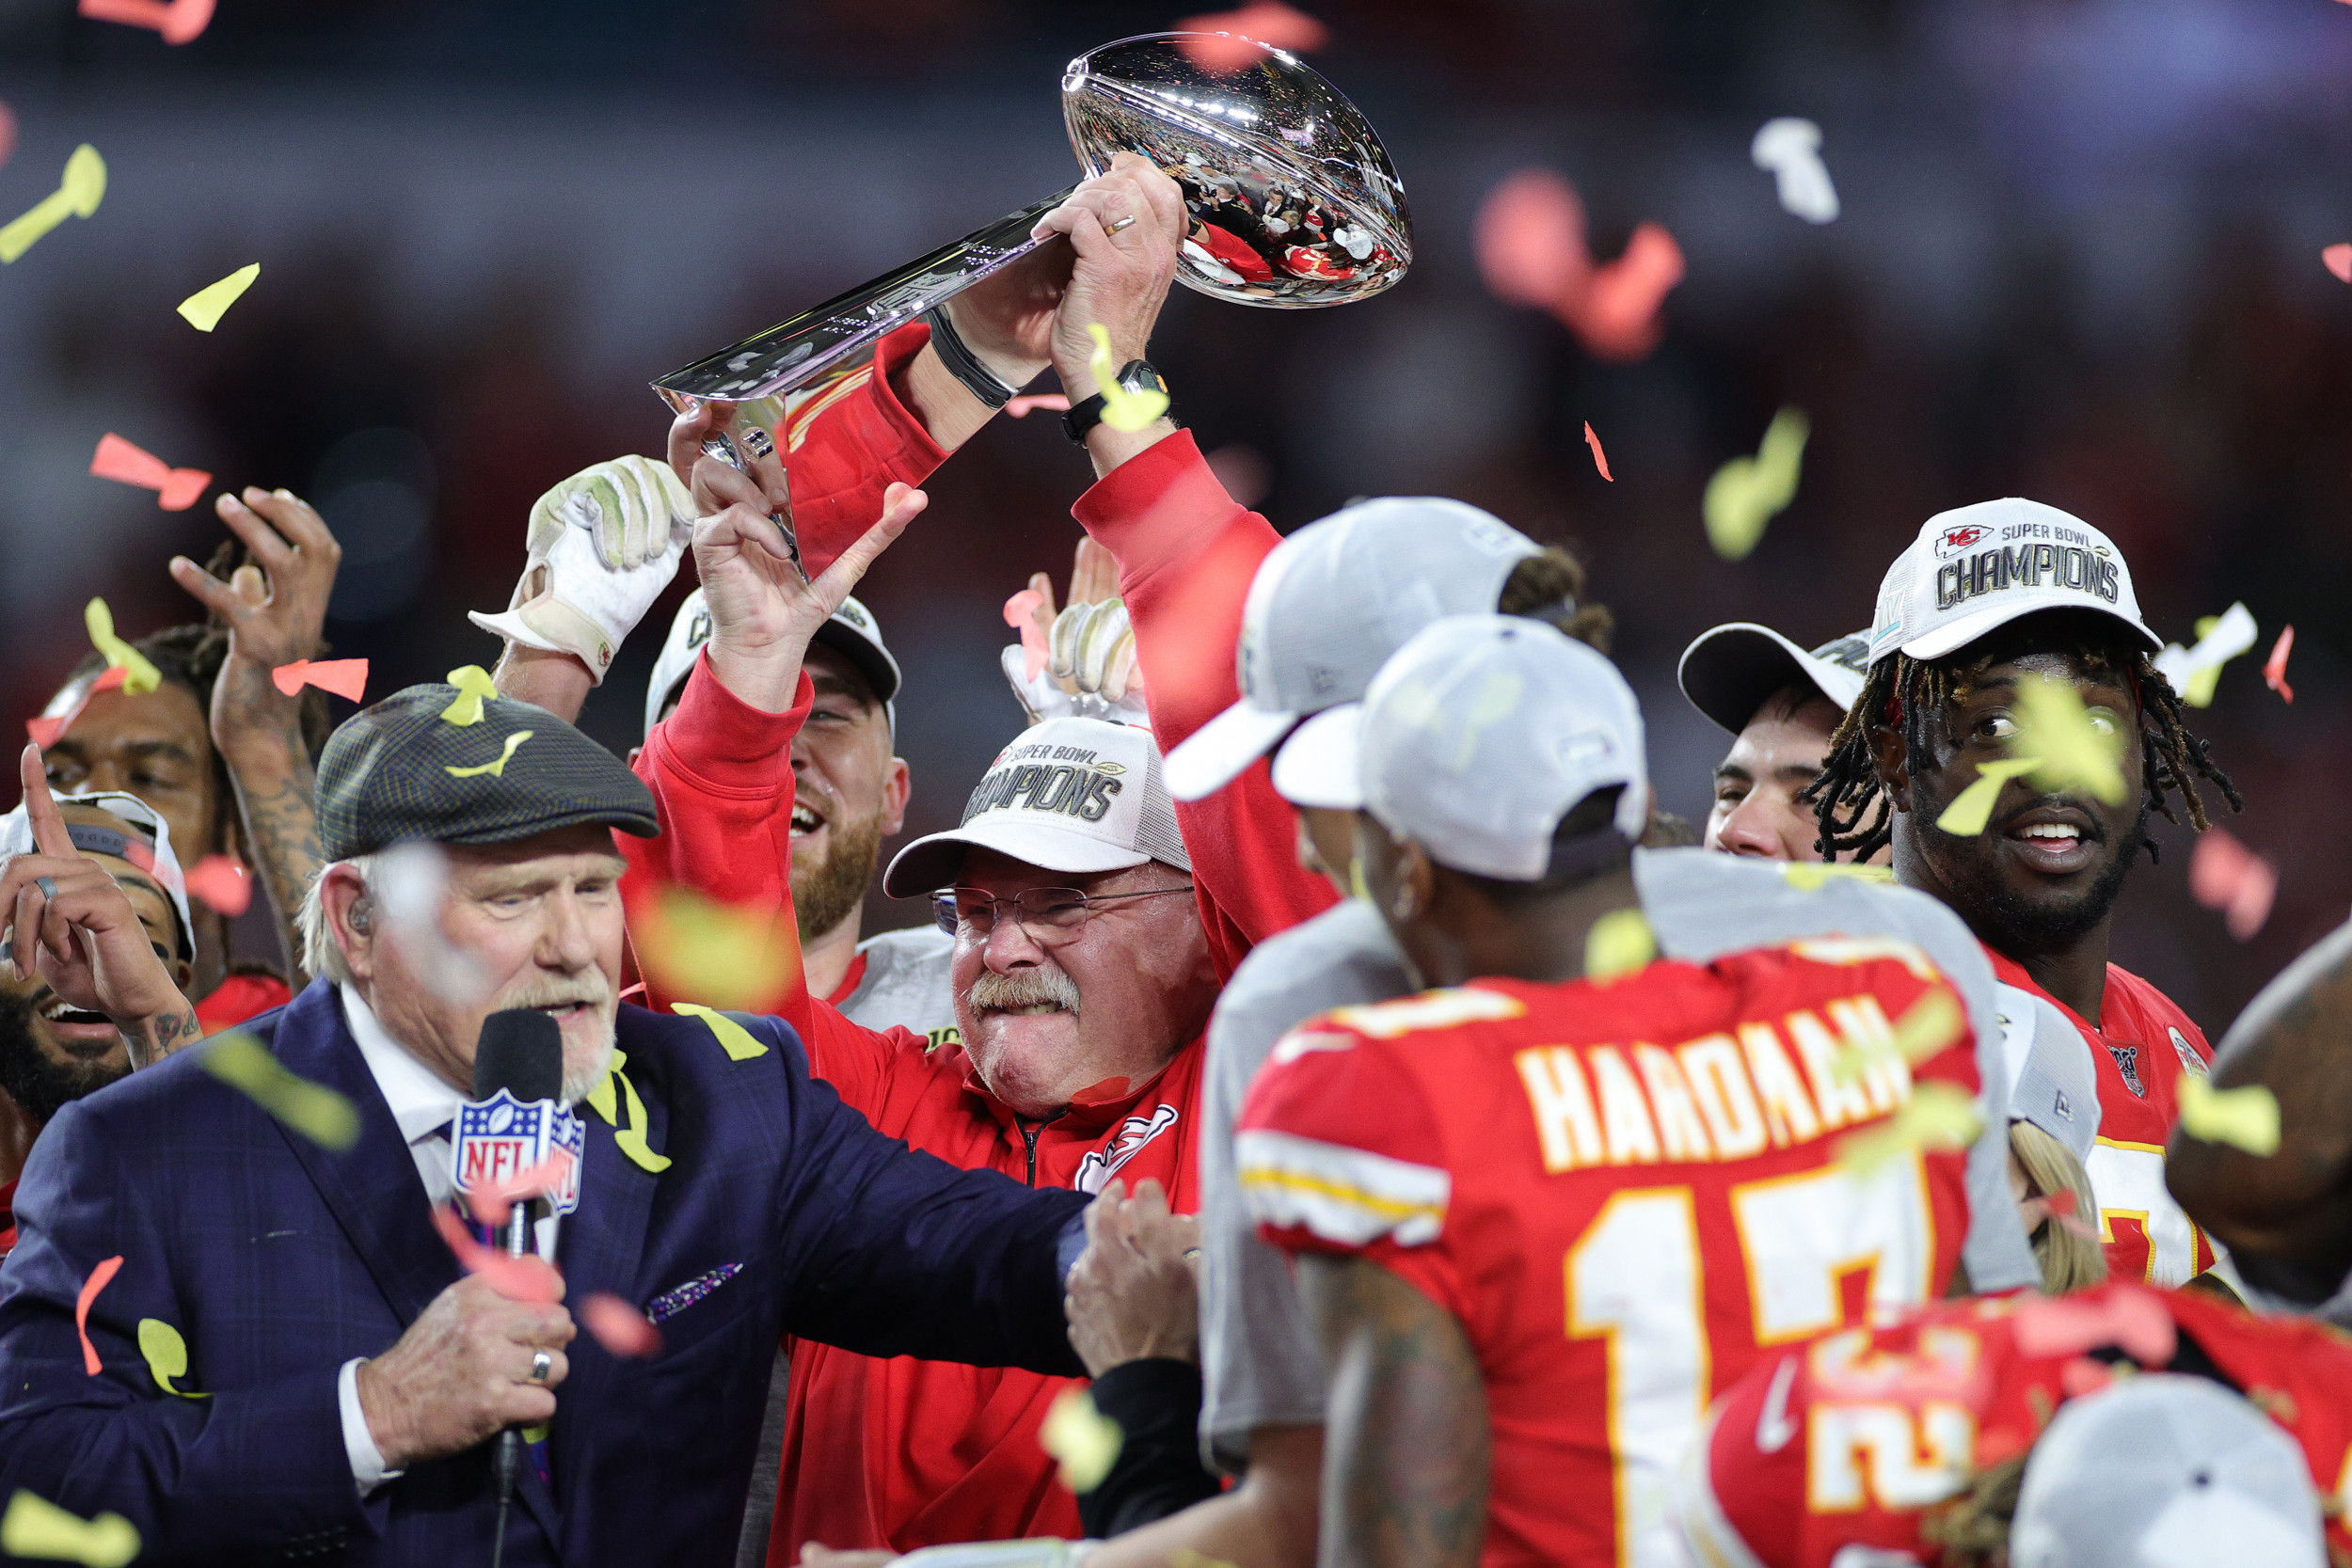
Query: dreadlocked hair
{"x": 1549, "y": 587}
{"x": 1915, "y": 694}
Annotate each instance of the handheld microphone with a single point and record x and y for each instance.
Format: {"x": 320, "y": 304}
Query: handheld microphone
{"x": 520, "y": 1051}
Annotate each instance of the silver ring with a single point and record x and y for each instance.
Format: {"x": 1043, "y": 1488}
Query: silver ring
{"x": 755, "y": 441}
{"x": 1123, "y": 222}
{"x": 542, "y": 1364}
{"x": 48, "y": 886}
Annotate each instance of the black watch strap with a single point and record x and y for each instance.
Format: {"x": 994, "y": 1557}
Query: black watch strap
{"x": 963, "y": 364}
{"x": 1137, "y": 376}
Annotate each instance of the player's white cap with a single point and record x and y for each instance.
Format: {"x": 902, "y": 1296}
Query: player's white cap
{"x": 2052, "y": 1082}
{"x": 1075, "y": 795}
{"x": 1332, "y": 601}
{"x": 851, "y": 631}
{"x": 1976, "y": 568}
{"x": 1485, "y": 730}
{"x": 1729, "y": 672}
{"x": 2165, "y": 1472}
{"x": 16, "y": 838}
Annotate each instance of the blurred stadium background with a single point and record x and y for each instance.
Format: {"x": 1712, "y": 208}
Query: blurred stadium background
{"x": 2079, "y": 260}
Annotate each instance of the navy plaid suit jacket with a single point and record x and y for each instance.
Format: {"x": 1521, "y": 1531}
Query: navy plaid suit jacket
{"x": 277, "y": 1261}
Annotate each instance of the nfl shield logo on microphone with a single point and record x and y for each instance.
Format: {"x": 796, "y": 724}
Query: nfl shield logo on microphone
{"x": 498, "y": 1139}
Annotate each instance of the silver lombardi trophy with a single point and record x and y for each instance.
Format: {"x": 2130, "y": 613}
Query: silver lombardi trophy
{"x": 1293, "y": 203}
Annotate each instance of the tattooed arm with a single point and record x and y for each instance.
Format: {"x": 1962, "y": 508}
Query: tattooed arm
{"x": 1406, "y": 1446}
{"x": 2286, "y": 1217}
{"x": 275, "y": 610}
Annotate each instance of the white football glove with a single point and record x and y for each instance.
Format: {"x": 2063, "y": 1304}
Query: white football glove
{"x": 603, "y": 545}
{"x": 1090, "y": 672}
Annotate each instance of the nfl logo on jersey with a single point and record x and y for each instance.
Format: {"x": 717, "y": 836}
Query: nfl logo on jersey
{"x": 498, "y": 1139}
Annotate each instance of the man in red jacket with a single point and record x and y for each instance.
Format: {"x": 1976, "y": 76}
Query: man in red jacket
{"x": 1083, "y": 984}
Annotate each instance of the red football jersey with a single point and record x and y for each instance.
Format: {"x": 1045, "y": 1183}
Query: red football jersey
{"x": 1849, "y": 1441}
{"x": 1627, "y": 1192}
{"x": 2143, "y": 1045}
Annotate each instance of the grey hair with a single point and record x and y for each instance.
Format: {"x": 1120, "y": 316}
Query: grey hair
{"x": 320, "y": 955}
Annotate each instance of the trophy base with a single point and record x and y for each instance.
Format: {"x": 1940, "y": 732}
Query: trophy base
{"x": 794, "y": 353}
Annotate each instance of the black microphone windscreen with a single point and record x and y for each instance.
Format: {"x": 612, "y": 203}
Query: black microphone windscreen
{"x": 521, "y": 1051}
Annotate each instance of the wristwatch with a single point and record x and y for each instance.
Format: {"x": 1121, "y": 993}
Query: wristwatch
{"x": 1137, "y": 376}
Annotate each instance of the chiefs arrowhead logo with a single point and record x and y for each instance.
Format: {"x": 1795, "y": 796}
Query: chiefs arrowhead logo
{"x": 1954, "y": 540}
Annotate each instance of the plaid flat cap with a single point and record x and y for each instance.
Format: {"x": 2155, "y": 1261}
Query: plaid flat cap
{"x": 400, "y": 770}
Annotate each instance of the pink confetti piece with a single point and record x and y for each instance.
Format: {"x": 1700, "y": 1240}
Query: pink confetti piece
{"x": 8, "y": 133}
{"x": 1531, "y": 240}
{"x": 619, "y": 1328}
{"x": 1618, "y": 317}
{"x": 97, "y": 1281}
{"x": 2275, "y": 668}
{"x": 221, "y": 882}
{"x": 1223, "y": 41}
{"x": 346, "y": 679}
{"x": 2225, "y": 875}
{"x": 46, "y": 731}
{"x": 2082, "y": 1376}
{"x": 179, "y": 22}
{"x": 526, "y": 1279}
{"x": 1600, "y": 458}
{"x": 177, "y": 488}
{"x": 2061, "y": 1208}
{"x": 1021, "y": 615}
{"x": 2071, "y": 1325}
{"x": 1053, "y": 402}
{"x": 2339, "y": 257}
{"x": 491, "y": 1204}
{"x": 637, "y": 990}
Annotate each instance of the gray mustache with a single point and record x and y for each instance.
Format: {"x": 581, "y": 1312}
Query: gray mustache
{"x": 1027, "y": 988}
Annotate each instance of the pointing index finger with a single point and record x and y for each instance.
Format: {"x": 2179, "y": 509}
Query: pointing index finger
{"x": 40, "y": 807}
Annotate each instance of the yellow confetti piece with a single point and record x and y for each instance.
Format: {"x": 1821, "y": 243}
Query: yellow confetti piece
{"x": 497, "y": 768}
{"x": 35, "y": 1527}
{"x": 1929, "y": 1027}
{"x": 78, "y": 195}
{"x": 1937, "y": 1117}
{"x": 628, "y": 1136}
{"x": 2246, "y": 1119}
{"x": 1121, "y": 409}
{"x": 1748, "y": 492}
{"x": 1812, "y": 875}
{"x": 1185, "y": 1557}
{"x": 474, "y": 686}
{"x": 140, "y": 674}
{"x": 728, "y": 957}
{"x": 167, "y": 1355}
{"x": 1083, "y": 1440}
{"x": 2054, "y": 727}
{"x": 733, "y": 1037}
{"x": 1971, "y": 808}
{"x": 205, "y": 307}
{"x": 313, "y": 1110}
{"x": 1619, "y": 942}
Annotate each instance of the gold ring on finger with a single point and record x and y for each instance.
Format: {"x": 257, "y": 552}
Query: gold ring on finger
{"x": 1120, "y": 224}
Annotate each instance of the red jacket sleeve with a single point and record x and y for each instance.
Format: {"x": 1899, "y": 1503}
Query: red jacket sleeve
{"x": 1186, "y": 551}
{"x": 844, "y": 439}
{"x": 721, "y": 772}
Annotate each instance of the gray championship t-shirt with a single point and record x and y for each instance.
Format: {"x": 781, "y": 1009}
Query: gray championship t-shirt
{"x": 1260, "y": 1364}
{"x": 906, "y": 984}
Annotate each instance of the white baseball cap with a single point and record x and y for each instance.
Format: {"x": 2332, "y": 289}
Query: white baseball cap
{"x": 16, "y": 838}
{"x": 851, "y": 631}
{"x": 1729, "y": 672}
{"x": 1329, "y": 604}
{"x": 1075, "y": 795}
{"x": 1976, "y": 568}
{"x": 2052, "y": 1082}
{"x": 1484, "y": 731}
{"x": 2165, "y": 1472}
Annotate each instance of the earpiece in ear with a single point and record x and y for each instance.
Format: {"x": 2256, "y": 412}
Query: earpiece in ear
{"x": 359, "y": 918}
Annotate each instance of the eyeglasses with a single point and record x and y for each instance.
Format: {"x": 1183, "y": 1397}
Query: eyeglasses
{"x": 1038, "y": 909}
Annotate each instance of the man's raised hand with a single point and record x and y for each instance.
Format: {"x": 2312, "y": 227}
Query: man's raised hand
{"x": 70, "y": 924}
{"x": 462, "y": 1372}
{"x": 763, "y": 612}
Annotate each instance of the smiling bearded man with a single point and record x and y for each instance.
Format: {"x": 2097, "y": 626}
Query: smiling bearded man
{"x": 1987, "y": 598}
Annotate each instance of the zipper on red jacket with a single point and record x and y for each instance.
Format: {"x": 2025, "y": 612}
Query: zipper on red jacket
{"x": 1028, "y": 1136}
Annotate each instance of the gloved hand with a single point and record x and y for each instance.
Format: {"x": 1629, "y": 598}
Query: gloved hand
{"x": 1080, "y": 662}
{"x": 603, "y": 545}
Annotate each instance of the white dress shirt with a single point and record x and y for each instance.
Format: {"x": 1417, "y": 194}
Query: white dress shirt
{"x": 423, "y": 1106}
